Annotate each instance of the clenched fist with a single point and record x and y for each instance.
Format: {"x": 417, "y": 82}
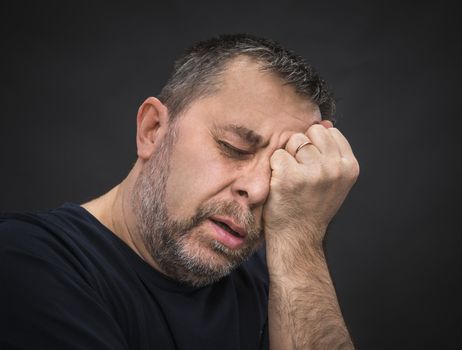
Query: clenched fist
{"x": 307, "y": 188}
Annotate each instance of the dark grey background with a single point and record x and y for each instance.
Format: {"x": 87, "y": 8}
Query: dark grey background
{"x": 73, "y": 75}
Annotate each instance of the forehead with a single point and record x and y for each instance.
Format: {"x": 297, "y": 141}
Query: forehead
{"x": 256, "y": 99}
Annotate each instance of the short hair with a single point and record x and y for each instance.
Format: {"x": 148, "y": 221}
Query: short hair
{"x": 196, "y": 73}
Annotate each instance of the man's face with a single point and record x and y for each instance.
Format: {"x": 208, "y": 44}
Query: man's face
{"x": 199, "y": 199}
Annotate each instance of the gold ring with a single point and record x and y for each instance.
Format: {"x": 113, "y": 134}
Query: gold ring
{"x": 306, "y": 143}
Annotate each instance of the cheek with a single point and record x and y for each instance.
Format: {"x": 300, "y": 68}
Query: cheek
{"x": 195, "y": 177}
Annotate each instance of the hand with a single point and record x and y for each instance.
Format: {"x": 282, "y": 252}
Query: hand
{"x": 307, "y": 188}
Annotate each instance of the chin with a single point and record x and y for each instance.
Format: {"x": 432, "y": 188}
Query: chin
{"x": 206, "y": 261}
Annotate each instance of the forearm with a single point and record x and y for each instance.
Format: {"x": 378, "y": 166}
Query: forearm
{"x": 303, "y": 309}
{"x": 309, "y": 181}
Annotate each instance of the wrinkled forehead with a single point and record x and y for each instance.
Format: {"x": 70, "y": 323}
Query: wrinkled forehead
{"x": 263, "y": 97}
{"x": 255, "y": 102}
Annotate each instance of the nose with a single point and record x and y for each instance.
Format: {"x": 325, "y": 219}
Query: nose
{"x": 252, "y": 184}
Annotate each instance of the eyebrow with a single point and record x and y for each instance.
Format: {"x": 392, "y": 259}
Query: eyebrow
{"x": 247, "y": 135}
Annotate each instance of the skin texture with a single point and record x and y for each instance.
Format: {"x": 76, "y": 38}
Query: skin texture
{"x": 309, "y": 187}
{"x": 289, "y": 198}
{"x": 182, "y": 247}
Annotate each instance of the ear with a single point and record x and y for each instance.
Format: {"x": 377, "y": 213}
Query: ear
{"x": 152, "y": 124}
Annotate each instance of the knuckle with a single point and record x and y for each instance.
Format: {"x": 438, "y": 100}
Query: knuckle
{"x": 297, "y": 136}
{"x": 355, "y": 169}
{"x": 296, "y": 139}
{"x": 351, "y": 168}
{"x": 278, "y": 157}
{"x": 317, "y": 127}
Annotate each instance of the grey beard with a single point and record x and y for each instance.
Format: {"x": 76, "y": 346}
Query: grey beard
{"x": 166, "y": 239}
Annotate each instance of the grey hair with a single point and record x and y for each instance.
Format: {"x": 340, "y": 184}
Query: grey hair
{"x": 196, "y": 73}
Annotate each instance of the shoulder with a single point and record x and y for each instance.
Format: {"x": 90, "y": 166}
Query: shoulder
{"x": 32, "y": 260}
{"x": 22, "y": 231}
{"x": 45, "y": 294}
{"x": 63, "y": 232}
{"x": 29, "y": 234}
{"x": 29, "y": 243}
{"x": 43, "y": 244}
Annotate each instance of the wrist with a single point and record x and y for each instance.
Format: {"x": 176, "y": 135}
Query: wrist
{"x": 308, "y": 234}
{"x": 296, "y": 264}
{"x": 302, "y": 242}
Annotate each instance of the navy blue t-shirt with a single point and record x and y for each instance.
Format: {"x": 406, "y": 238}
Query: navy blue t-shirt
{"x": 67, "y": 282}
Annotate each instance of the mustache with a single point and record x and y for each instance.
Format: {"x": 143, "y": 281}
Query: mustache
{"x": 242, "y": 217}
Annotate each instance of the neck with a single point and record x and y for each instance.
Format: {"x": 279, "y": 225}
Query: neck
{"x": 115, "y": 211}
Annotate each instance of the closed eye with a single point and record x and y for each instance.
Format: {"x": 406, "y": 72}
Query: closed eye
{"x": 232, "y": 151}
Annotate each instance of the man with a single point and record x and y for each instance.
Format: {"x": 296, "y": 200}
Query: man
{"x": 236, "y": 154}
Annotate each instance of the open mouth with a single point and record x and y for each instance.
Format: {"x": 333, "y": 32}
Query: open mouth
{"x": 227, "y": 228}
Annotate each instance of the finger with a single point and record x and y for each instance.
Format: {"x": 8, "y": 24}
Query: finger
{"x": 323, "y": 140}
{"x": 294, "y": 142}
{"x": 342, "y": 142}
{"x": 301, "y": 148}
{"x": 281, "y": 160}
{"x": 326, "y": 123}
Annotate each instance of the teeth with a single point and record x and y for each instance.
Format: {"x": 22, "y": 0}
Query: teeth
{"x": 227, "y": 228}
